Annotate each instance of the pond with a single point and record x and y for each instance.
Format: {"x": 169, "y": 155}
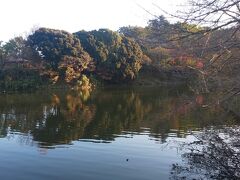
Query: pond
{"x": 113, "y": 133}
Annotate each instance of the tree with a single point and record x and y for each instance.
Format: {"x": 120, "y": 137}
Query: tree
{"x": 213, "y": 13}
{"x": 221, "y": 35}
{"x": 213, "y": 155}
{"x": 18, "y": 48}
{"x": 55, "y": 45}
{"x": 62, "y": 50}
{"x": 117, "y": 57}
{"x": 1, "y": 54}
{"x": 160, "y": 28}
{"x": 139, "y": 34}
{"x": 14, "y": 47}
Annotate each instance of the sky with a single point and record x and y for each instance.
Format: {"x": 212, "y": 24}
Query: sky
{"x": 19, "y": 17}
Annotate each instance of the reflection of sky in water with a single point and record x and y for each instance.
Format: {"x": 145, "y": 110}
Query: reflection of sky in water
{"x": 124, "y": 158}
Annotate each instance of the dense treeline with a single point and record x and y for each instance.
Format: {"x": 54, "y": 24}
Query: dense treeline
{"x": 162, "y": 50}
{"x": 59, "y": 56}
{"x": 213, "y": 53}
{"x": 164, "y": 44}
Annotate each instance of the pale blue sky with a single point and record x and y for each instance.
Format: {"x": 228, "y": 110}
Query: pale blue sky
{"x": 18, "y": 17}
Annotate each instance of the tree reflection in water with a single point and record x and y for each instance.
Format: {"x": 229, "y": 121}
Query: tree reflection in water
{"x": 65, "y": 120}
{"x": 60, "y": 117}
{"x": 215, "y": 154}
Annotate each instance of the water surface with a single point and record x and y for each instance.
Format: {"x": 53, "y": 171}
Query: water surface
{"x": 115, "y": 133}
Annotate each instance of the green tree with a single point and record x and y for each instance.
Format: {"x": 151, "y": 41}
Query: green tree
{"x": 1, "y": 54}
{"x": 55, "y": 46}
{"x": 19, "y": 48}
{"x": 62, "y": 51}
{"x": 14, "y": 47}
{"x": 118, "y": 58}
{"x": 139, "y": 34}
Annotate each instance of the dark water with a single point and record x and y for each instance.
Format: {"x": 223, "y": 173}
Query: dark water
{"x": 111, "y": 134}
